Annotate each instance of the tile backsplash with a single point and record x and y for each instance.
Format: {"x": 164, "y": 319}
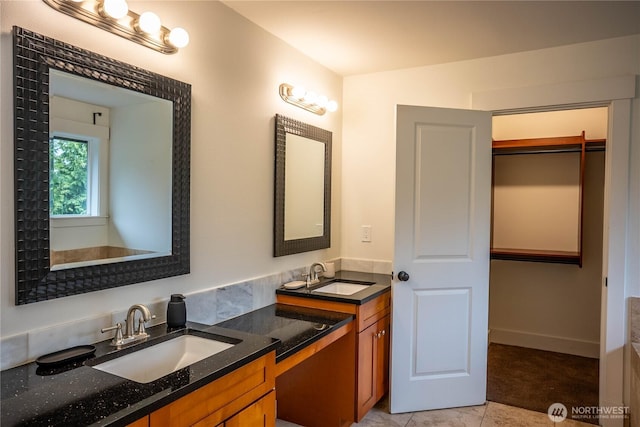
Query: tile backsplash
{"x": 208, "y": 306}
{"x": 634, "y": 319}
{"x": 634, "y": 326}
{"x": 215, "y": 305}
{"x": 366, "y": 265}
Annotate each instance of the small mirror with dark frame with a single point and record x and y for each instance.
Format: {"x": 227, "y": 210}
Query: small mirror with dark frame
{"x": 302, "y": 220}
{"x": 36, "y": 59}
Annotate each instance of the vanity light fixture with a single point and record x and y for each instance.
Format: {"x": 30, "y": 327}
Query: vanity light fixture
{"x": 310, "y": 101}
{"x": 115, "y": 16}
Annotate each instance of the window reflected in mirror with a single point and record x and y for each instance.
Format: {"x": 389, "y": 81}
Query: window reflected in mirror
{"x": 110, "y": 173}
{"x": 69, "y": 185}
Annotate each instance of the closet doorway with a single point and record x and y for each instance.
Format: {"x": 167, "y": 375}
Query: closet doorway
{"x": 546, "y": 268}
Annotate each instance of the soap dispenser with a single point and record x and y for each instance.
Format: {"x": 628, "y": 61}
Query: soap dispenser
{"x": 176, "y": 312}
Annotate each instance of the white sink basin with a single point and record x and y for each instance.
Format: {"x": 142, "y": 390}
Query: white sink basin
{"x": 341, "y": 288}
{"x": 158, "y": 360}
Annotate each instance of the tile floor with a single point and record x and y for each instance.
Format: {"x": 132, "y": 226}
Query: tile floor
{"x": 490, "y": 415}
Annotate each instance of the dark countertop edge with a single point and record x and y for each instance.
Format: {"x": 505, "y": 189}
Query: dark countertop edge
{"x": 333, "y": 328}
{"x": 382, "y": 284}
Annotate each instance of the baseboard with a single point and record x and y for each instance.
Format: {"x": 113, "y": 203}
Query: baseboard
{"x": 545, "y": 342}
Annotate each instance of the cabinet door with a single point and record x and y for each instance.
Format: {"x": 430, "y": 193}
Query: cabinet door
{"x": 367, "y": 344}
{"x": 382, "y": 359}
{"x": 260, "y": 413}
{"x": 373, "y": 365}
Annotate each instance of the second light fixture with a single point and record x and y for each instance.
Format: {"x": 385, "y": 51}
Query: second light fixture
{"x": 310, "y": 101}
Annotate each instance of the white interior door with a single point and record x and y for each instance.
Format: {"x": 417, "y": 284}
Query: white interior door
{"x": 442, "y": 239}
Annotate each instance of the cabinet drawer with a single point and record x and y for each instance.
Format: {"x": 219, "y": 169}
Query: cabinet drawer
{"x": 341, "y": 307}
{"x": 260, "y": 414}
{"x": 221, "y": 398}
{"x": 374, "y": 310}
{"x": 366, "y": 314}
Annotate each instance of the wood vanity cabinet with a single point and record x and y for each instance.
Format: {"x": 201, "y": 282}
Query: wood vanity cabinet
{"x": 243, "y": 397}
{"x": 372, "y": 344}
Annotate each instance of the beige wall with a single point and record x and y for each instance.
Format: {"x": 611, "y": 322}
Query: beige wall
{"x": 235, "y": 69}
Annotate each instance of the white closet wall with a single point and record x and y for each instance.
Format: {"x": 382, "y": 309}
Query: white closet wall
{"x": 553, "y": 307}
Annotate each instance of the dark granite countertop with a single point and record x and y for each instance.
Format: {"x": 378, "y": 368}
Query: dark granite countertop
{"x": 379, "y": 284}
{"x": 77, "y": 394}
{"x": 295, "y": 327}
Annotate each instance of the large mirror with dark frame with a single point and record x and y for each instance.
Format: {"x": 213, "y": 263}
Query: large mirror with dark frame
{"x": 102, "y": 156}
{"x": 302, "y": 220}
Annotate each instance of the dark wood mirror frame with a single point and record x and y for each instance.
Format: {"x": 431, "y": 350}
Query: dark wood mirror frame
{"x": 34, "y": 56}
{"x": 281, "y": 246}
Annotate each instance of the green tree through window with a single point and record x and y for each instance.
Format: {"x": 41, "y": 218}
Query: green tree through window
{"x": 68, "y": 176}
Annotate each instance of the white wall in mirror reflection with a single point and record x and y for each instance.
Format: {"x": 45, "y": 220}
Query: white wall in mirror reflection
{"x": 304, "y": 188}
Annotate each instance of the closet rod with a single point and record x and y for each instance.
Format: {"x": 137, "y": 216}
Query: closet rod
{"x": 502, "y": 152}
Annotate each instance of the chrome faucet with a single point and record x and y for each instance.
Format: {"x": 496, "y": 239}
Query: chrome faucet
{"x": 140, "y": 334}
{"x": 131, "y": 315}
{"x": 312, "y": 278}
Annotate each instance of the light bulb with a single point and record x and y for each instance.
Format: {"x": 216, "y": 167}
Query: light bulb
{"x": 149, "y": 22}
{"x": 179, "y": 37}
{"x": 310, "y": 98}
{"x": 298, "y": 92}
{"x": 332, "y": 106}
{"x": 322, "y": 101}
{"x": 116, "y": 9}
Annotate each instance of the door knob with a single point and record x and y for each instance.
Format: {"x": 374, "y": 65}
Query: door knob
{"x": 403, "y": 276}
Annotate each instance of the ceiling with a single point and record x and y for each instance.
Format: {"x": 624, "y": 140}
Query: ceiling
{"x": 365, "y": 36}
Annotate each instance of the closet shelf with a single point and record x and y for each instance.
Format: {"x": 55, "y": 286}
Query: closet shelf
{"x": 547, "y": 145}
{"x": 533, "y": 255}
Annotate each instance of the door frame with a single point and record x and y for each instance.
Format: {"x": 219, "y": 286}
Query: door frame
{"x": 615, "y": 93}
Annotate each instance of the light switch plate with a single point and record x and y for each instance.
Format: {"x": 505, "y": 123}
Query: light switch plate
{"x": 366, "y": 233}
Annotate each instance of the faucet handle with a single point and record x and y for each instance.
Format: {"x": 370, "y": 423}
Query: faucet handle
{"x": 117, "y": 338}
{"x": 141, "y": 328}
